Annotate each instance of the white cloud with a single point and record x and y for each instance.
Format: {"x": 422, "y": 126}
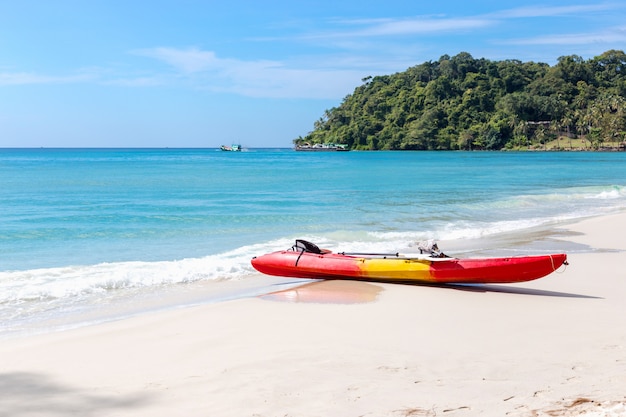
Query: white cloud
{"x": 188, "y": 60}
{"x": 418, "y": 25}
{"x": 295, "y": 83}
{"x": 23, "y": 78}
{"x": 347, "y": 30}
{"x": 136, "y": 81}
{"x": 609, "y": 36}
{"x": 204, "y": 70}
{"x": 255, "y": 78}
{"x": 550, "y": 11}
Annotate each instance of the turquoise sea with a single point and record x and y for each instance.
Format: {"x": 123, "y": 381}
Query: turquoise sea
{"x": 89, "y": 230}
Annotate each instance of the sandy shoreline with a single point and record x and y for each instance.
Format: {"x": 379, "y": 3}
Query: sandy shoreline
{"x": 555, "y": 346}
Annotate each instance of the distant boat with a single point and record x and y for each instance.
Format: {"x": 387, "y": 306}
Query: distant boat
{"x": 232, "y": 148}
{"x": 323, "y": 147}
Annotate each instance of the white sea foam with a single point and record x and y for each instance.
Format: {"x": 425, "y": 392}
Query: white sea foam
{"x": 615, "y": 193}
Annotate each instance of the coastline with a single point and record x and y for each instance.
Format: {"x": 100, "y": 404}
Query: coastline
{"x": 554, "y": 346}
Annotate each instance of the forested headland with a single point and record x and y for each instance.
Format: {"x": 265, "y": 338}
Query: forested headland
{"x": 463, "y": 103}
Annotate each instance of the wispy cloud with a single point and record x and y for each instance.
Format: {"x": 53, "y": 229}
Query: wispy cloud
{"x": 430, "y": 25}
{"x": 256, "y": 78}
{"x": 23, "y": 78}
{"x": 550, "y": 11}
{"x": 136, "y": 81}
{"x": 187, "y": 60}
{"x": 608, "y": 36}
{"x": 204, "y": 70}
{"x": 433, "y": 25}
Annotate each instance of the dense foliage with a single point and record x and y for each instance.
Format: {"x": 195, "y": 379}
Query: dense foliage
{"x": 464, "y": 103}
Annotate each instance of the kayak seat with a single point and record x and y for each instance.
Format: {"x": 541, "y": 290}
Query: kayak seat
{"x": 305, "y": 246}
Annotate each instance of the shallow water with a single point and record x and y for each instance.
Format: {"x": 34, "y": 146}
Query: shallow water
{"x": 83, "y": 229}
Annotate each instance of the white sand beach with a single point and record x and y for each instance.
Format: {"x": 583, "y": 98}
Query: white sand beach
{"x": 551, "y": 347}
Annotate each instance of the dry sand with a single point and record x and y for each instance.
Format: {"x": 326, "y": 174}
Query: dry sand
{"x": 551, "y": 347}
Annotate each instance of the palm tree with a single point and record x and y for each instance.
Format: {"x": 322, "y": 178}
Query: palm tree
{"x": 555, "y": 127}
{"x": 566, "y": 122}
{"x": 582, "y": 125}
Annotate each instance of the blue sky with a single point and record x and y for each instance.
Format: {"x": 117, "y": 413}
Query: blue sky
{"x": 190, "y": 73}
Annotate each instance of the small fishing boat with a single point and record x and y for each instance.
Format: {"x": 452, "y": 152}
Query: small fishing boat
{"x": 232, "y": 148}
{"x": 307, "y": 260}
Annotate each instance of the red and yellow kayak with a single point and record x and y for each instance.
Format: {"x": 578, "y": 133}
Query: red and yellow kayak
{"x": 300, "y": 262}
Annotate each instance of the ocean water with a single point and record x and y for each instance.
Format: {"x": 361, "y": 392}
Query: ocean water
{"x": 90, "y": 230}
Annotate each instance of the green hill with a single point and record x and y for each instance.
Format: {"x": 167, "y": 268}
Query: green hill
{"x": 461, "y": 102}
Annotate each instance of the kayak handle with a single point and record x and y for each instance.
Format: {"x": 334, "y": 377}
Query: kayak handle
{"x": 397, "y": 255}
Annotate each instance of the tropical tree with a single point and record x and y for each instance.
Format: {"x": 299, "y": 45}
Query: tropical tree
{"x": 459, "y": 102}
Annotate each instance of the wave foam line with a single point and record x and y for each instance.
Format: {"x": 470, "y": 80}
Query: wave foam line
{"x": 84, "y": 280}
